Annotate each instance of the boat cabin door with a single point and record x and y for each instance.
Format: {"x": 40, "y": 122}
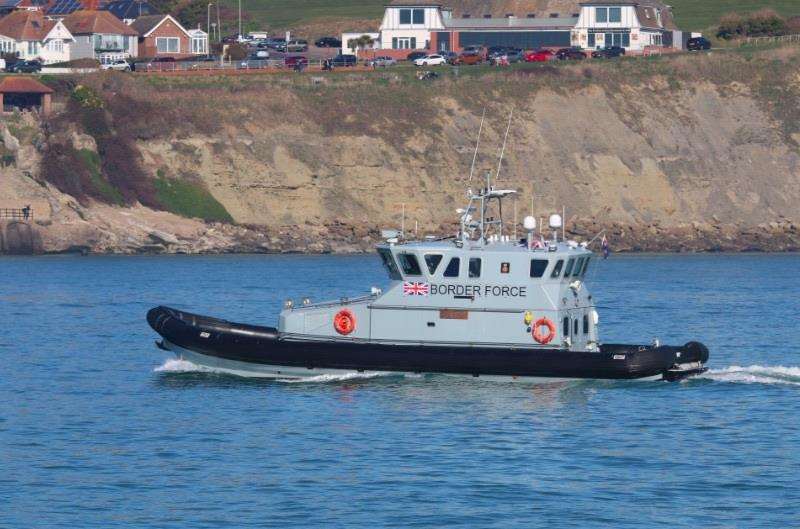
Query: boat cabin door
{"x": 575, "y": 325}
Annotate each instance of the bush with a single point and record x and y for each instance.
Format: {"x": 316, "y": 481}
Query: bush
{"x": 189, "y": 199}
{"x": 762, "y": 23}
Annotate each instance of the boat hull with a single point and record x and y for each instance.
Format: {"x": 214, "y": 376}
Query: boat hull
{"x": 210, "y": 342}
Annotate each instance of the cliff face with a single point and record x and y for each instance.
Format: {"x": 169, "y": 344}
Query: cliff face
{"x": 691, "y": 152}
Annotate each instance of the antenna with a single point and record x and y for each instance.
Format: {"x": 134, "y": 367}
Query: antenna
{"x": 403, "y": 220}
{"x": 503, "y": 150}
{"x": 477, "y": 143}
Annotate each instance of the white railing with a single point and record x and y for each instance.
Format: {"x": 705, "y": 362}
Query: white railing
{"x": 760, "y": 41}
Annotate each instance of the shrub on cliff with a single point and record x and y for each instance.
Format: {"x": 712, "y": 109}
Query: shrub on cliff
{"x": 761, "y": 23}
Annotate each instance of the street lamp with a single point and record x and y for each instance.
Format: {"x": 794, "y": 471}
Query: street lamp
{"x": 208, "y": 28}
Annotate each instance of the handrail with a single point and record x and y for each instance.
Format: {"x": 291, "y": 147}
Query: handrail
{"x": 16, "y": 213}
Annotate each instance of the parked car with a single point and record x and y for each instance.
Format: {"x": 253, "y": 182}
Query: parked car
{"x": 24, "y": 67}
{"x": 468, "y": 59}
{"x": 474, "y": 50}
{"x": 278, "y": 44}
{"x": 512, "y": 55}
{"x": 381, "y": 61}
{"x": 119, "y": 65}
{"x": 296, "y": 45}
{"x": 414, "y": 55}
{"x": 608, "y": 53}
{"x": 260, "y": 54}
{"x": 698, "y": 44}
{"x": 328, "y": 42}
{"x": 430, "y": 60}
{"x": 539, "y": 56}
{"x": 344, "y": 60}
{"x": 2, "y": 63}
{"x": 570, "y": 54}
{"x": 295, "y": 61}
{"x": 449, "y": 56}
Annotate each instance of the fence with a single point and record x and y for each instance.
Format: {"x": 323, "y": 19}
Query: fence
{"x": 16, "y": 214}
{"x": 760, "y": 41}
{"x": 244, "y": 64}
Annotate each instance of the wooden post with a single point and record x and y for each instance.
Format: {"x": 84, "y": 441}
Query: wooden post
{"x": 46, "y": 104}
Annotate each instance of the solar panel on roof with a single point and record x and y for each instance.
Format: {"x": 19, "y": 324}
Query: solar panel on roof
{"x": 8, "y": 3}
{"x": 64, "y": 7}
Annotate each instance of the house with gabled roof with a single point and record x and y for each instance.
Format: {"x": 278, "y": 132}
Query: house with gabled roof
{"x": 29, "y": 35}
{"x": 631, "y": 24}
{"x": 163, "y": 36}
{"x": 102, "y": 36}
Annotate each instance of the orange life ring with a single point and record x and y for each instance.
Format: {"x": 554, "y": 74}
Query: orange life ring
{"x": 537, "y": 331}
{"x": 344, "y": 322}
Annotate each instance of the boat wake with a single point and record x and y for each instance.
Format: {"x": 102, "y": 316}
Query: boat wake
{"x": 175, "y": 365}
{"x": 755, "y": 374}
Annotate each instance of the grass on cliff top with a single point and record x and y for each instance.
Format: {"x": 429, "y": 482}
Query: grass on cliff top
{"x": 690, "y": 15}
{"x": 189, "y": 199}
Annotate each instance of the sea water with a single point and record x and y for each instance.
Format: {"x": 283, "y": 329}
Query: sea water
{"x": 99, "y": 428}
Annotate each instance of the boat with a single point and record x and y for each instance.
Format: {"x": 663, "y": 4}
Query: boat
{"x": 479, "y": 303}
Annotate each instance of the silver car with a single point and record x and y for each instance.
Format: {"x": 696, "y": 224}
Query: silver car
{"x": 382, "y": 62}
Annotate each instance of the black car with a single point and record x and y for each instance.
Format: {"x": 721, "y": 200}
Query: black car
{"x": 344, "y": 60}
{"x": 414, "y": 55}
{"x": 698, "y": 44}
{"x": 24, "y": 67}
{"x": 608, "y": 52}
{"x": 570, "y": 54}
{"x": 328, "y": 42}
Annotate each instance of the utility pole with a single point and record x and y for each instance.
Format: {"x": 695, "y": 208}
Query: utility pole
{"x": 208, "y": 27}
{"x": 240, "y": 19}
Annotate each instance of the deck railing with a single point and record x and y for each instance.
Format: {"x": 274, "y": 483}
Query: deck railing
{"x": 16, "y": 214}
{"x": 760, "y": 41}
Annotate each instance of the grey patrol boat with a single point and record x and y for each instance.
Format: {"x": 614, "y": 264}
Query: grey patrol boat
{"x": 478, "y": 304}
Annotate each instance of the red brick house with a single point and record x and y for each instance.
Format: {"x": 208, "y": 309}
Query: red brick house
{"x": 163, "y": 36}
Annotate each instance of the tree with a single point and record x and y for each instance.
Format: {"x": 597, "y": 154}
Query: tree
{"x": 764, "y": 22}
{"x": 362, "y": 42}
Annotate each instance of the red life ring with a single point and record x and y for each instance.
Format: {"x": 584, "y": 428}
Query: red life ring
{"x": 537, "y": 331}
{"x": 344, "y": 322}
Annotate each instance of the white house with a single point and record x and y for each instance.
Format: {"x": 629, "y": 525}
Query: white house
{"x": 407, "y": 24}
{"x": 29, "y": 35}
{"x": 100, "y": 35}
{"x": 633, "y": 25}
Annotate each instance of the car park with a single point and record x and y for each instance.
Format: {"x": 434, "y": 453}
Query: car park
{"x": 698, "y": 44}
{"x": 24, "y": 67}
{"x": 430, "y": 60}
{"x": 119, "y": 65}
{"x": 344, "y": 60}
{"x": 608, "y": 52}
{"x": 539, "y": 56}
{"x": 414, "y": 55}
{"x": 570, "y": 54}
{"x": 328, "y": 42}
{"x": 381, "y": 61}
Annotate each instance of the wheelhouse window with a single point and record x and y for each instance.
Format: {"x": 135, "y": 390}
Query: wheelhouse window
{"x": 585, "y": 266}
{"x": 389, "y": 264}
{"x": 578, "y": 267}
{"x": 452, "y": 267}
{"x": 585, "y": 324}
{"x": 432, "y": 261}
{"x": 409, "y": 264}
{"x": 568, "y": 270}
{"x": 557, "y": 269}
{"x": 474, "y": 267}
{"x": 575, "y": 327}
{"x": 538, "y": 267}
{"x": 565, "y": 327}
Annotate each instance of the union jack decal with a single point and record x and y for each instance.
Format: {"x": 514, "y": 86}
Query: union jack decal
{"x": 415, "y": 289}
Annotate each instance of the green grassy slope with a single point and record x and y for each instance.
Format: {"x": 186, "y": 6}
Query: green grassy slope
{"x": 695, "y": 15}
{"x": 690, "y": 14}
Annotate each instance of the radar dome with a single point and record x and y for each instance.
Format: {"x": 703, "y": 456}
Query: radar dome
{"x": 529, "y": 223}
{"x": 555, "y": 221}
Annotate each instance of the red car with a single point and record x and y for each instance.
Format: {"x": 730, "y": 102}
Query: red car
{"x": 295, "y": 61}
{"x": 539, "y": 56}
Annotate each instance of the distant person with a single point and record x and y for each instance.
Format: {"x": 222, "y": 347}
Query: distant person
{"x": 26, "y": 212}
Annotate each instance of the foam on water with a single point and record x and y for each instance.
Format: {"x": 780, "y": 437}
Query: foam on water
{"x": 175, "y": 365}
{"x": 337, "y": 377}
{"x": 755, "y": 374}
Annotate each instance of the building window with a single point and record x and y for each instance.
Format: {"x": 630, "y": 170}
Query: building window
{"x": 405, "y": 16}
{"x": 404, "y": 43}
{"x": 168, "y": 44}
{"x": 591, "y": 42}
{"x": 615, "y": 14}
{"x": 199, "y": 45}
{"x": 419, "y": 16}
{"x": 601, "y": 14}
